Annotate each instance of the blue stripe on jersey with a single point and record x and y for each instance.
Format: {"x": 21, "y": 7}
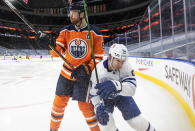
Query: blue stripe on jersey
{"x": 130, "y": 78}
{"x": 130, "y": 82}
{"x": 105, "y": 63}
{"x": 96, "y": 30}
{"x": 92, "y": 95}
{"x": 92, "y": 27}
{"x": 148, "y": 127}
{"x": 68, "y": 27}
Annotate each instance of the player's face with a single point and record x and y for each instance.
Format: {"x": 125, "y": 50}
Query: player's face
{"x": 74, "y": 16}
{"x": 117, "y": 63}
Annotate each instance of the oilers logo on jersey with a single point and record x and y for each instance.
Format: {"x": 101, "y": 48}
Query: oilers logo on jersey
{"x": 78, "y": 48}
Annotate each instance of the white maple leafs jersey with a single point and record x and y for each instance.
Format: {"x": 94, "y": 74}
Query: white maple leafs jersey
{"x": 125, "y": 75}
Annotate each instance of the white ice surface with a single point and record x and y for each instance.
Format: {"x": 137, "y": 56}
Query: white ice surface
{"x": 27, "y": 90}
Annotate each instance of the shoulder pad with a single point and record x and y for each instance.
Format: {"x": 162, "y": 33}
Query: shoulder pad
{"x": 68, "y": 27}
{"x": 96, "y": 30}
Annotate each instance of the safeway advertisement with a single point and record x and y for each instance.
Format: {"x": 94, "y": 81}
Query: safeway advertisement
{"x": 180, "y": 75}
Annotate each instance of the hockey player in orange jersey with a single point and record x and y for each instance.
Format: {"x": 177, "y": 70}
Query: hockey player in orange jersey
{"x": 74, "y": 42}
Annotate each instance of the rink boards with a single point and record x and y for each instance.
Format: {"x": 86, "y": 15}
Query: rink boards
{"x": 176, "y": 76}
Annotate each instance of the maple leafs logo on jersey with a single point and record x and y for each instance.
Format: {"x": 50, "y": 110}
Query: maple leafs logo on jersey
{"x": 78, "y": 48}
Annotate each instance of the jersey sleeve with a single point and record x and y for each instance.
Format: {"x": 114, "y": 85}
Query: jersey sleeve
{"x": 98, "y": 50}
{"x": 59, "y": 49}
{"x": 60, "y": 44}
{"x": 95, "y": 99}
{"x": 129, "y": 84}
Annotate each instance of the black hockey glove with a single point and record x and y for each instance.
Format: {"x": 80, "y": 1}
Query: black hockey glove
{"x": 80, "y": 72}
{"x": 82, "y": 75}
{"x": 45, "y": 38}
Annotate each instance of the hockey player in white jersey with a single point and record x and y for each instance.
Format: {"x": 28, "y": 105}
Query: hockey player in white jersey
{"x": 117, "y": 85}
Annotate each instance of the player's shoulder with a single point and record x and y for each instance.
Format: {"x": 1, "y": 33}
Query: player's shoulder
{"x": 100, "y": 70}
{"x": 100, "y": 65}
{"x": 128, "y": 62}
{"x": 67, "y": 28}
{"x": 127, "y": 66}
{"x": 96, "y": 30}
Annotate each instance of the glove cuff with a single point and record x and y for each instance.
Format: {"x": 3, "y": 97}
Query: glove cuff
{"x": 118, "y": 85}
{"x": 97, "y": 105}
{"x": 95, "y": 100}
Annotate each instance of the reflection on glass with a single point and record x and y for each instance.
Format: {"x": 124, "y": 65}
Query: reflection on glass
{"x": 166, "y": 18}
{"x": 155, "y": 22}
{"x": 178, "y": 16}
{"x": 179, "y": 48}
{"x": 132, "y": 35}
{"x": 144, "y": 28}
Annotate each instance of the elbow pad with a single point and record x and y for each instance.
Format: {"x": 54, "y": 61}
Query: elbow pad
{"x": 127, "y": 89}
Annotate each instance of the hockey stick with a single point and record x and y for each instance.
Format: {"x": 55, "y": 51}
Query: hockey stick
{"x": 50, "y": 46}
{"x": 92, "y": 49}
{"x": 17, "y": 12}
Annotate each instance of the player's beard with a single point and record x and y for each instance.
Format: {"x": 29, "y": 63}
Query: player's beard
{"x": 74, "y": 21}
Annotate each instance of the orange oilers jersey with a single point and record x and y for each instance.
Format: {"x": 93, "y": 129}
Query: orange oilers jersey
{"x": 76, "y": 46}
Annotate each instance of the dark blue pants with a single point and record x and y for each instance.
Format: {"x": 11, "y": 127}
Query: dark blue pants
{"x": 71, "y": 88}
{"x": 125, "y": 104}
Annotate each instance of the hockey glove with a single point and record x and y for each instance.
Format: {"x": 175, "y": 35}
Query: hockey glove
{"x": 108, "y": 89}
{"x": 81, "y": 71}
{"x": 101, "y": 114}
{"x": 46, "y": 38}
{"x": 82, "y": 75}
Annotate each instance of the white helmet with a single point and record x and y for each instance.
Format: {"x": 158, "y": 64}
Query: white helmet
{"x": 118, "y": 51}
